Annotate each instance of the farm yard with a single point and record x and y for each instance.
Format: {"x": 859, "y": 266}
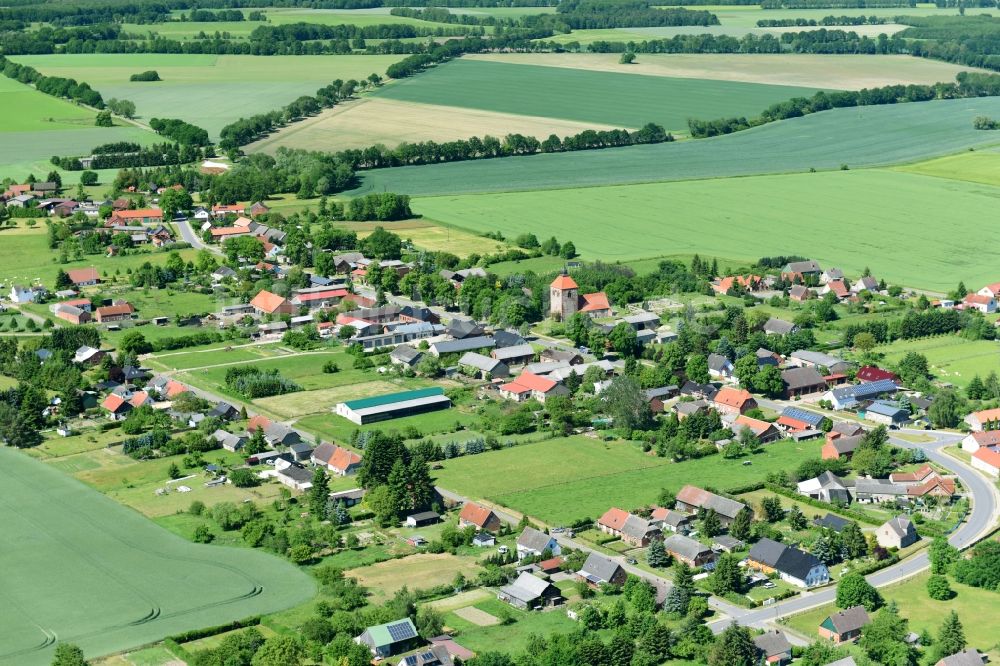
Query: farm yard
{"x": 856, "y": 137}
{"x": 563, "y": 480}
{"x": 559, "y": 92}
{"x": 73, "y": 546}
{"x": 208, "y": 90}
{"x": 848, "y": 72}
{"x": 699, "y": 217}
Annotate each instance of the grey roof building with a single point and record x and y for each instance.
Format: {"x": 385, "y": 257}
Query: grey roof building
{"x": 533, "y": 543}
{"x": 599, "y": 569}
{"x": 484, "y": 364}
{"x": 405, "y": 355}
{"x": 877, "y": 490}
{"x": 690, "y": 551}
{"x": 775, "y": 326}
{"x": 773, "y": 646}
{"x": 969, "y": 657}
{"x": 793, "y": 565}
{"x": 831, "y": 522}
{"x": 459, "y": 346}
{"x": 530, "y": 591}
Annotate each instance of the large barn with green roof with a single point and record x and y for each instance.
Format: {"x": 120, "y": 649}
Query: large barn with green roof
{"x": 393, "y": 405}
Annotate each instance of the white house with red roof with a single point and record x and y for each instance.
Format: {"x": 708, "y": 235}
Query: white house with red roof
{"x": 267, "y": 303}
{"x": 83, "y": 277}
{"x": 991, "y": 290}
{"x": 986, "y": 419}
{"x": 734, "y": 401}
{"x": 985, "y": 304}
{"x": 977, "y": 440}
{"x": 479, "y": 516}
{"x": 527, "y": 386}
{"x": 987, "y": 459}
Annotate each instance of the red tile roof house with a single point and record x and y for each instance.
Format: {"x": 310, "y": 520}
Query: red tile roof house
{"x": 337, "y": 459}
{"x": 748, "y": 282}
{"x": 765, "y": 431}
{"x": 987, "y": 419}
{"x": 83, "y": 277}
{"x": 870, "y": 373}
{"x": 257, "y": 422}
{"x": 612, "y": 521}
{"x": 220, "y": 234}
{"x": 985, "y": 304}
{"x": 987, "y": 460}
{"x": 116, "y": 312}
{"x": 976, "y": 440}
{"x": 221, "y": 210}
{"x": 527, "y": 386}
{"x": 731, "y": 400}
{"x": 838, "y": 287}
{"x": 140, "y": 215}
{"x": 118, "y": 407}
{"x": 479, "y": 516}
{"x": 266, "y": 303}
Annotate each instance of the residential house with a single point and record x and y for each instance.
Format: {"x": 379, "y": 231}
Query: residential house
{"x": 405, "y": 355}
{"x": 658, "y": 396}
{"x": 528, "y": 386}
{"x": 726, "y": 543}
{"x": 731, "y": 400}
{"x": 985, "y": 304}
{"x": 337, "y": 459}
{"x": 119, "y": 404}
{"x": 639, "y": 532}
{"x": 827, "y": 487}
{"x": 719, "y": 366}
{"x": 516, "y": 355}
{"x": 847, "y": 397}
{"x": 799, "y": 293}
{"x": 763, "y": 430}
{"x": 967, "y": 657}
{"x": 916, "y": 477}
{"x": 831, "y": 522}
{"x": 865, "y": 283}
{"x": 935, "y": 486}
{"x": 598, "y": 570}
{"x": 294, "y": 476}
{"x": 794, "y": 566}
{"x": 83, "y": 277}
{"x": 797, "y": 419}
{"x": 835, "y": 447}
{"x": 480, "y": 516}
{"x": 278, "y": 434}
{"x": 686, "y": 409}
{"x": 529, "y": 592}
{"x": 773, "y": 648}
{"x": 836, "y": 287}
{"x": 483, "y": 367}
{"x": 138, "y": 216}
{"x": 724, "y": 285}
{"x": 692, "y": 498}
{"x": 871, "y": 373}
{"x": 976, "y": 440}
{"x": 350, "y": 497}
{"x": 532, "y": 543}
{"x": 222, "y": 210}
{"x": 687, "y": 550}
{"x": 874, "y": 491}
{"x": 766, "y": 357}
{"x": 987, "y": 459}
{"x": 799, "y": 270}
{"x": 88, "y": 355}
{"x": 897, "y": 532}
{"x": 802, "y": 381}
{"x": 266, "y": 303}
{"x": 775, "y": 326}
{"x": 887, "y": 413}
{"x": 391, "y": 638}
{"x": 568, "y": 357}
{"x": 670, "y": 520}
{"x": 987, "y": 419}
{"x": 120, "y": 311}
{"x": 22, "y": 294}
{"x": 229, "y": 441}
{"x": 844, "y": 626}
{"x": 612, "y": 521}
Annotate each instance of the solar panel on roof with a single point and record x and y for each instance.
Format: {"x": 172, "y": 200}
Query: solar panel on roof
{"x": 427, "y": 656}
{"x": 802, "y": 415}
{"x": 400, "y": 631}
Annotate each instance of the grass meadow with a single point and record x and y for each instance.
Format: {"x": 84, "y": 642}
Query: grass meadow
{"x": 934, "y": 236}
{"x": 856, "y": 137}
{"x": 562, "y": 480}
{"x": 208, "y": 90}
{"x": 608, "y": 98}
{"x": 980, "y": 166}
{"x": 71, "y": 546}
{"x": 951, "y": 359}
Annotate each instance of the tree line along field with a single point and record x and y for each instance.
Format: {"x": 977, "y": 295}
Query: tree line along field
{"x": 210, "y": 91}
{"x": 566, "y": 479}
{"x": 608, "y": 98}
{"x": 857, "y": 137}
{"x": 71, "y": 547}
{"x": 846, "y": 72}
{"x": 846, "y": 218}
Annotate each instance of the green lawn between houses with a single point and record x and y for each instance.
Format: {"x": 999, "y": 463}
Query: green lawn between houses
{"x": 70, "y": 546}
{"x": 563, "y": 480}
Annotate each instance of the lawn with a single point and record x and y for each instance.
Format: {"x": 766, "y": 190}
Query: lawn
{"x": 417, "y": 572}
{"x": 563, "y": 480}
{"x": 925, "y": 613}
{"x": 931, "y": 223}
{"x": 72, "y": 546}
{"x": 951, "y": 359}
{"x": 847, "y": 72}
{"x": 183, "y": 360}
{"x": 55, "y": 446}
{"x": 857, "y": 137}
{"x": 305, "y": 368}
{"x": 513, "y": 638}
{"x": 559, "y": 92}
{"x": 207, "y": 90}
{"x": 332, "y": 427}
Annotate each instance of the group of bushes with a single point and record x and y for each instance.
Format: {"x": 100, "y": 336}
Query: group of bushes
{"x": 253, "y": 382}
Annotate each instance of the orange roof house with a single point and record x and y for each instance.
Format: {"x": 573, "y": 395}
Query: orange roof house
{"x": 267, "y": 303}
{"x": 987, "y": 460}
{"x": 983, "y": 420}
{"x": 748, "y": 282}
{"x": 116, "y": 312}
{"x": 529, "y": 385}
{"x": 220, "y": 210}
{"x": 734, "y": 401}
{"x": 257, "y": 422}
{"x": 82, "y": 277}
{"x": 142, "y": 215}
{"x": 917, "y": 476}
{"x": 479, "y": 516}
{"x": 613, "y": 520}
{"x": 222, "y": 233}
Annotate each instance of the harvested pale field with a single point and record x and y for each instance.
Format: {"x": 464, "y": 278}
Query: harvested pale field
{"x": 477, "y": 617}
{"x": 460, "y": 600}
{"x": 433, "y": 237}
{"x": 841, "y": 72}
{"x": 372, "y": 120}
{"x": 417, "y": 572}
{"x": 301, "y": 403}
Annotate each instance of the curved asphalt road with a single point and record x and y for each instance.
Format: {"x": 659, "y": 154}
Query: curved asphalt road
{"x": 981, "y": 519}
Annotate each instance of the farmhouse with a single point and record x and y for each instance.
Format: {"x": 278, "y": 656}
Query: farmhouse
{"x": 987, "y": 459}
{"x": 22, "y": 294}
{"x": 731, "y": 400}
{"x": 221, "y": 210}
{"x": 791, "y": 564}
{"x": 826, "y": 487}
{"x": 138, "y": 216}
{"x": 798, "y": 270}
{"x": 393, "y": 405}
{"x": 691, "y": 498}
{"x": 532, "y": 543}
{"x": 762, "y": 430}
{"x": 802, "y": 381}
{"x": 719, "y": 366}
{"x": 897, "y": 532}
{"x": 229, "y": 441}
{"x": 390, "y": 638}
{"x": 687, "y": 550}
{"x": 773, "y": 648}
{"x": 670, "y": 520}
{"x": 852, "y": 396}
{"x": 598, "y": 569}
{"x": 724, "y": 285}
{"x": 844, "y": 625}
{"x": 266, "y": 303}
{"x": 483, "y": 366}
{"x": 527, "y": 386}
{"x": 976, "y": 440}
{"x": 799, "y": 293}
{"x": 985, "y": 304}
{"x": 337, "y": 459}
{"x": 479, "y": 516}
{"x": 83, "y": 277}
{"x": 529, "y": 592}
{"x": 795, "y": 419}
{"x": 987, "y": 419}
{"x": 111, "y": 313}
{"x": 836, "y": 447}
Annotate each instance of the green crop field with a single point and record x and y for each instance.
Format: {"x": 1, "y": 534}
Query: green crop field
{"x": 74, "y": 549}
{"x": 573, "y": 94}
{"x": 563, "y": 480}
{"x": 207, "y": 90}
{"x": 981, "y": 166}
{"x": 22, "y": 109}
{"x": 933, "y": 226}
{"x": 867, "y": 136}
{"x": 951, "y": 359}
